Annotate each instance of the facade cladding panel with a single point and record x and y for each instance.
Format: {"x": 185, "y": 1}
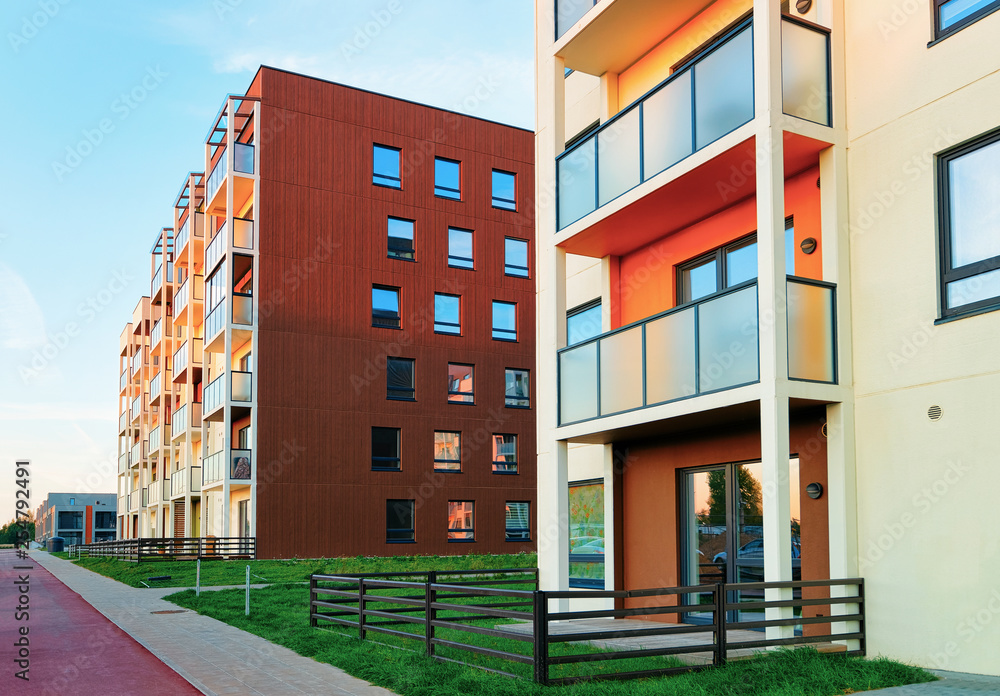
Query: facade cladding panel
{"x": 321, "y": 371}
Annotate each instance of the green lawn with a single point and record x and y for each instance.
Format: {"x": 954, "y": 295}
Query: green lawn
{"x": 280, "y": 614}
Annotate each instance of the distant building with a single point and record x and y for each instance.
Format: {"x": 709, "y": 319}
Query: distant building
{"x": 79, "y": 518}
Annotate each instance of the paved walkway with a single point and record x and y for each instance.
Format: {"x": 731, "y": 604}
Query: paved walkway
{"x": 951, "y": 684}
{"x": 215, "y": 657}
{"x": 72, "y": 649}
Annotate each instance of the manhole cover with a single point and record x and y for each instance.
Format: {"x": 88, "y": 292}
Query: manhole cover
{"x": 170, "y": 611}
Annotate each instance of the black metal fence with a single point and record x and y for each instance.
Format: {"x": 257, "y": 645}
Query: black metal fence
{"x": 169, "y": 549}
{"x": 462, "y": 620}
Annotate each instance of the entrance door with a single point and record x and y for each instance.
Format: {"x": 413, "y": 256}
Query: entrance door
{"x": 243, "y": 513}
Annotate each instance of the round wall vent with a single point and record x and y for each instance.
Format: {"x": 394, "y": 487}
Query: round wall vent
{"x": 934, "y": 413}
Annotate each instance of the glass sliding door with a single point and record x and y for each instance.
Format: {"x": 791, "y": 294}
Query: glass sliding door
{"x": 705, "y": 534}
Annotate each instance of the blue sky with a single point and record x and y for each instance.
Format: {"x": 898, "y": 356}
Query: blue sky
{"x": 105, "y": 108}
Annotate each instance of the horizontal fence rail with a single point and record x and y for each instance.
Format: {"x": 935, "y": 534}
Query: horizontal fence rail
{"x": 171, "y": 549}
{"x": 478, "y": 618}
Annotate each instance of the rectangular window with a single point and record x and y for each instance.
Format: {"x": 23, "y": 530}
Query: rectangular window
{"x": 969, "y": 179}
{"x": 952, "y": 15}
{"x": 385, "y": 166}
{"x": 400, "y": 244}
{"x": 518, "y": 521}
{"x": 385, "y": 307}
{"x": 399, "y": 521}
{"x": 243, "y": 438}
{"x": 583, "y": 322}
{"x": 504, "y": 321}
{"x": 399, "y": 379}
{"x": 385, "y": 449}
{"x": 461, "y": 520}
{"x": 447, "y": 176}
{"x": 586, "y": 534}
{"x": 447, "y": 451}
{"x": 460, "y": 384}
{"x": 460, "y": 248}
{"x": 504, "y": 187}
{"x": 516, "y": 392}
{"x": 505, "y": 454}
{"x": 447, "y": 314}
{"x": 515, "y": 257}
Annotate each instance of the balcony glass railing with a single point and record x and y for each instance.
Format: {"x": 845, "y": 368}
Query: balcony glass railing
{"x": 154, "y": 386}
{"x": 156, "y": 334}
{"x": 217, "y": 176}
{"x": 215, "y": 321}
{"x": 242, "y": 233}
{"x": 242, "y": 386}
{"x": 242, "y": 309}
{"x": 213, "y": 468}
{"x": 812, "y": 339}
{"x": 136, "y": 453}
{"x": 136, "y": 408}
{"x": 694, "y": 349}
{"x": 243, "y": 158}
{"x": 123, "y": 462}
{"x": 195, "y": 479}
{"x": 215, "y": 394}
{"x": 179, "y": 424}
{"x": 215, "y": 249}
{"x": 133, "y": 500}
{"x": 183, "y": 295}
{"x": 692, "y": 108}
{"x": 157, "y": 281}
{"x": 122, "y": 421}
{"x": 569, "y": 12}
{"x": 181, "y": 358}
{"x": 124, "y": 380}
{"x": 136, "y": 362}
{"x": 805, "y": 71}
{"x": 182, "y": 236}
{"x": 154, "y": 439}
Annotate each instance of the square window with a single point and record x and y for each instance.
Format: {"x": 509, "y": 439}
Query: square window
{"x": 447, "y": 314}
{"x": 385, "y": 307}
{"x": 447, "y": 451}
{"x": 583, "y": 323}
{"x": 385, "y": 166}
{"x": 460, "y": 248}
{"x": 504, "y": 187}
{"x": 969, "y": 208}
{"x": 460, "y": 384}
{"x": 516, "y": 394}
{"x": 399, "y": 525}
{"x": 447, "y": 174}
{"x": 505, "y": 454}
{"x": 399, "y": 379}
{"x": 504, "y": 321}
{"x": 515, "y": 257}
{"x": 518, "y": 521}
{"x": 953, "y": 15}
{"x": 461, "y": 520}
{"x": 400, "y": 242}
{"x": 385, "y": 449}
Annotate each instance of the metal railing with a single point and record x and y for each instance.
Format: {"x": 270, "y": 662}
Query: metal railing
{"x": 439, "y": 613}
{"x": 172, "y": 549}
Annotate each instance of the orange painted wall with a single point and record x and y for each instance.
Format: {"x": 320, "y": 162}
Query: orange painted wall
{"x": 654, "y": 67}
{"x": 647, "y": 276}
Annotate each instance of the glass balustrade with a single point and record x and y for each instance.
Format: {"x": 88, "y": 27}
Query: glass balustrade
{"x": 180, "y": 422}
{"x": 242, "y": 233}
{"x": 569, "y": 12}
{"x": 217, "y": 176}
{"x": 123, "y": 381}
{"x": 136, "y": 454}
{"x": 812, "y": 346}
{"x": 213, "y": 468}
{"x": 182, "y": 236}
{"x": 181, "y": 296}
{"x": 215, "y": 249}
{"x": 242, "y": 386}
{"x": 154, "y": 439}
{"x": 243, "y": 158}
{"x": 154, "y": 386}
{"x": 181, "y": 358}
{"x": 136, "y": 406}
{"x": 215, "y": 394}
{"x": 215, "y": 321}
{"x": 156, "y": 334}
{"x": 805, "y": 72}
{"x": 242, "y": 309}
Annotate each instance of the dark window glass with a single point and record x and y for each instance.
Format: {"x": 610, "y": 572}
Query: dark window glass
{"x": 400, "y": 244}
{"x": 504, "y": 186}
{"x": 399, "y": 378}
{"x": 516, "y": 393}
{"x": 399, "y": 521}
{"x": 447, "y": 451}
{"x": 70, "y": 520}
{"x": 385, "y": 307}
{"x": 518, "y": 527}
{"x": 461, "y": 520}
{"x": 460, "y": 384}
{"x": 583, "y": 323}
{"x": 385, "y": 448}
{"x": 447, "y": 176}
{"x": 515, "y": 257}
{"x": 447, "y": 313}
{"x": 385, "y": 166}
{"x": 505, "y": 454}
{"x": 460, "y": 248}
{"x": 504, "y": 321}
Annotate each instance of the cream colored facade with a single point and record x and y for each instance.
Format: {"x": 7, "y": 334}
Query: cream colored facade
{"x": 907, "y": 497}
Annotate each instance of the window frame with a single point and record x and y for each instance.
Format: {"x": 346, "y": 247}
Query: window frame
{"x": 502, "y": 462}
{"x": 507, "y": 529}
{"x": 413, "y": 239}
{"x": 470, "y": 394}
{"x": 527, "y": 258}
{"x": 412, "y": 389}
{"x": 493, "y": 325}
{"x": 940, "y": 33}
{"x": 438, "y": 188}
{"x": 399, "y": 314}
{"x": 471, "y": 260}
{"x": 507, "y": 397}
{"x": 462, "y": 530}
{"x": 448, "y": 461}
{"x": 438, "y": 322}
{"x": 399, "y": 451}
{"x": 946, "y": 272}
{"x": 413, "y": 521}
{"x": 577, "y": 311}
{"x": 399, "y": 168}
{"x": 512, "y": 207}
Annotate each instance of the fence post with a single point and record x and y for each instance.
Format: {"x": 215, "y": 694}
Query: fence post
{"x": 248, "y": 592}
{"x": 720, "y": 624}
{"x": 430, "y": 613}
{"x": 541, "y": 636}
{"x": 197, "y": 578}
{"x": 312, "y": 601}
{"x": 361, "y": 608}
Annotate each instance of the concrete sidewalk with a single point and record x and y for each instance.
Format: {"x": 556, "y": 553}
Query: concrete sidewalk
{"x": 215, "y": 657}
{"x": 951, "y": 684}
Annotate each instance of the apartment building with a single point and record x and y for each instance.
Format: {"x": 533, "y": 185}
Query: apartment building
{"x": 767, "y": 252}
{"x": 79, "y": 518}
{"x": 336, "y": 356}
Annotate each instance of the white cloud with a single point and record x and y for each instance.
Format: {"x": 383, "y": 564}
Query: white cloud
{"x": 22, "y": 323}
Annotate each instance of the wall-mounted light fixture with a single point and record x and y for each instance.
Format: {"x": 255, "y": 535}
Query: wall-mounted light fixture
{"x": 808, "y": 245}
{"x": 814, "y": 490}
{"x": 803, "y": 6}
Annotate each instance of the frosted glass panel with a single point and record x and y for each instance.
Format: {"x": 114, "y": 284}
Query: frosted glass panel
{"x": 727, "y": 336}
{"x": 723, "y": 84}
{"x": 810, "y": 332}
{"x": 242, "y": 382}
{"x": 621, "y": 371}
{"x": 576, "y": 183}
{"x": 666, "y": 126}
{"x": 569, "y": 12}
{"x": 670, "y": 365}
{"x": 242, "y": 310}
{"x": 618, "y": 156}
{"x": 804, "y": 85}
{"x": 578, "y": 383}
{"x": 243, "y": 233}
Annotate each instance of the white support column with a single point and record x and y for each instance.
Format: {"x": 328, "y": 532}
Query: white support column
{"x": 227, "y": 351}
{"x": 609, "y": 521}
{"x": 609, "y": 96}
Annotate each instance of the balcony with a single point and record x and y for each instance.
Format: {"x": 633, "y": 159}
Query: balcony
{"x": 123, "y": 420}
{"x": 123, "y": 381}
{"x": 154, "y": 386}
{"x": 136, "y": 454}
{"x": 242, "y": 233}
{"x": 183, "y": 234}
{"x": 137, "y": 362}
{"x": 215, "y": 322}
{"x": 243, "y": 156}
{"x": 154, "y": 440}
{"x": 215, "y": 395}
{"x": 123, "y": 463}
{"x": 694, "y": 107}
{"x": 695, "y": 349}
{"x": 242, "y": 386}
{"x": 187, "y": 417}
{"x": 214, "y": 468}
{"x": 156, "y": 334}
{"x": 185, "y": 480}
{"x": 242, "y": 309}
{"x": 136, "y": 408}
{"x": 157, "y": 283}
{"x": 215, "y": 250}
{"x": 183, "y": 296}
{"x": 133, "y": 500}
{"x": 182, "y": 359}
